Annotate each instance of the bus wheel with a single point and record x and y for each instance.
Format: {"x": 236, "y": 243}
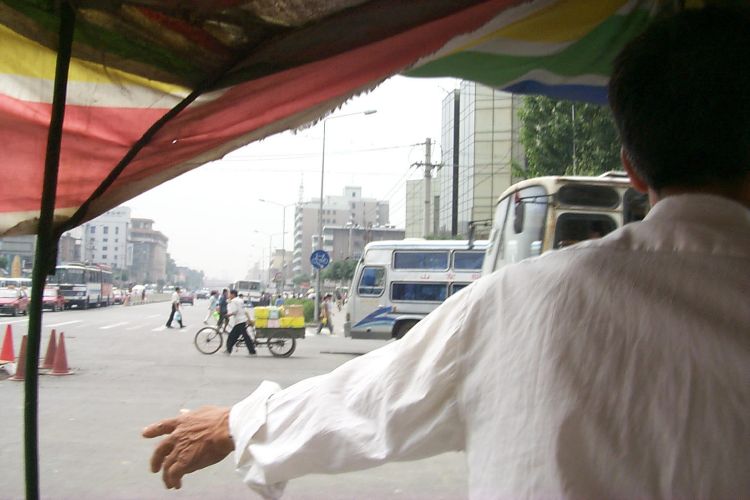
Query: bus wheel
{"x": 402, "y": 328}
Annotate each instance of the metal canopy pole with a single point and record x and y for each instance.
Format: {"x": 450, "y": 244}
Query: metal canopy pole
{"x": 46, "y": 249}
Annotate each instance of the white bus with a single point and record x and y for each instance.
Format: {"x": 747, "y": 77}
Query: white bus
{"x": 250, "y": 289}
{"x": 547, "y": 213}
{"x": 397, "y": 283}
{"x": 84, "y": 285}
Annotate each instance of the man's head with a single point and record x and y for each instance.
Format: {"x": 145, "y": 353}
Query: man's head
{"x": 680, "y": 97}
{"x": 177, "y": 289}
{"x": 233, "y": 293}
{"x": 224, "y": 292}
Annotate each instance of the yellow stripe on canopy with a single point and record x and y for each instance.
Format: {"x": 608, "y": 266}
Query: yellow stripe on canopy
{"x": 563, "y": 21}
{"x": 24, "y": 57}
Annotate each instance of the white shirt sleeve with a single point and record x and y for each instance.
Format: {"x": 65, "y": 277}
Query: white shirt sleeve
{"x": 398, "y": 402}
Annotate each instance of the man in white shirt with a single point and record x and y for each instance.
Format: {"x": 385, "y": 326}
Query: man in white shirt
{"x": 615, "y": 368}
{"x": 175, "y": 309}
{"x": 239, "y": 320}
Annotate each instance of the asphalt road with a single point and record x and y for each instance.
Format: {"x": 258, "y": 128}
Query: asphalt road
{"x": 130, "y": 370}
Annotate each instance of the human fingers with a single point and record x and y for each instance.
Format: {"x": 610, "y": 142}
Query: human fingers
{"x": 170, "y": 474}
{"x": 163, "y": 450}
{"x": 166, "y": 426}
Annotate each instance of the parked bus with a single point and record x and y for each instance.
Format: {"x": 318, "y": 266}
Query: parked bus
{"x": 546, "y": 213}
{"x": 397, "y": 283}
{"x": 84, "y": 285}
{"x": 15, "y": 282}
{"x": 250, "y": 289}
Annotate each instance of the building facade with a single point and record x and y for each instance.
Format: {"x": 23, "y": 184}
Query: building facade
{"x": 105, "y": 239}
{"x": 348, "y": 208}
{"x": 483, "y": 147}
{"x": 23, "y": 247}
{"x": 149, "y": 253}
{"x": 348, "y": 242}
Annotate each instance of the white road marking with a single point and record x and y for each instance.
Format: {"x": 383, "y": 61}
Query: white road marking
{"x": 114, "y": 325}
{"x": 160, "y": 329}
{"x": 64, "y": 323}
{"x": 14, "y": 322}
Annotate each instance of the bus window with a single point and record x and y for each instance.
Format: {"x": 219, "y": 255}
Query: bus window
{"x": 586, "y": 195}
{"x": 457, "y": 287}
{"x": 422, "y": 292}
{"x": 535, "y": 201}
{"x": 423, "y": 260}
{"x": 572, "y": 228}
{"x": 635, "y": 206}
{"x": 467, "y": 260}
{"x": 371, "y": 282}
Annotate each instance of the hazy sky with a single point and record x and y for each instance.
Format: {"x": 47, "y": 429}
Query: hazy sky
{"x": 212, "y": 215}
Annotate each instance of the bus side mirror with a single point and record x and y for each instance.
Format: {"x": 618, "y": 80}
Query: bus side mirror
{"x": 519, "y": 213}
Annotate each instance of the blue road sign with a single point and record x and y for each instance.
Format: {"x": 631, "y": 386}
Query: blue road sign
{"x": 320, "y": 259}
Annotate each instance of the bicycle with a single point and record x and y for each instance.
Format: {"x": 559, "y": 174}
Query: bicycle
{"x": 209, "y": 340}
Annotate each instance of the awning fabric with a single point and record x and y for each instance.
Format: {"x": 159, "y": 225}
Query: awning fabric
{"x": 278, "y": 65}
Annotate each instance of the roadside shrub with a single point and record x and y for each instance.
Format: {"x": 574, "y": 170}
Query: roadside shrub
{"x": 308, "y": 307}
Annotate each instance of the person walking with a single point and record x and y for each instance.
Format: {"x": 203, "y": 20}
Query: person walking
{"x": 212, "y": 301}
{"x": 326, "y": 313}
{"x": 223, "y": 301}
{"x": 175, "y": 314}
{"x": 240, "y": 320}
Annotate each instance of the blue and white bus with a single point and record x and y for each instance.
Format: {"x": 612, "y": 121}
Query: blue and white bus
{"x": 397, "y": 283}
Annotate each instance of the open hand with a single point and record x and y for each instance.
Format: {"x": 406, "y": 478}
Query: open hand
{"x": 194, "y": 440}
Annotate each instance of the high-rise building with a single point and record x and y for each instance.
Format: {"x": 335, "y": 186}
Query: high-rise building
{"x": 149, "y": 252}
{"x": 484, "y": 148}
{"x": 105, "y": 239}
{"x": 349, "y": 208}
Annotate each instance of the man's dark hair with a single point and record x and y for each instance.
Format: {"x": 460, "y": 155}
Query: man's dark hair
{"x": 233, "y": 292}
{"x": 680, "y": 95}
{"x": 177, "y": 289}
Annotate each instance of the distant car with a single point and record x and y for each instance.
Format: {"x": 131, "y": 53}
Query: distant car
{"x": 13, "y": 301}
{"x": 203, "y": 293}
{"x": 53, "y": 299}
{"x": 187, "y": 298}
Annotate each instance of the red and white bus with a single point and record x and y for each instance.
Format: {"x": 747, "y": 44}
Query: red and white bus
{"x": 84, "y": 285}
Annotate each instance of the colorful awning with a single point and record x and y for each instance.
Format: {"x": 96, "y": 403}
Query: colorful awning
{"x": 274, "y": 65}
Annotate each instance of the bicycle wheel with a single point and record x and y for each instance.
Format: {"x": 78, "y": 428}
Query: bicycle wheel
{"x": 281, "y": 347}
{"x": 208, "y": 340}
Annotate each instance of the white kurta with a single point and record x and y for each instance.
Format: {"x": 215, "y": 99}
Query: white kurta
{"x": 616, "y": 368}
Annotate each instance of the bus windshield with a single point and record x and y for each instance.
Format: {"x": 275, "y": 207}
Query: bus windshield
{"x": 75, "y": 276}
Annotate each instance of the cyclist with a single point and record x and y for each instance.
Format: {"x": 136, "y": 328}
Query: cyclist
{"x": 240, "y": 320}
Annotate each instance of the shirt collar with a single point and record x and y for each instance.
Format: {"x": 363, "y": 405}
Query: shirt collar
{"x": 701, "y": 208}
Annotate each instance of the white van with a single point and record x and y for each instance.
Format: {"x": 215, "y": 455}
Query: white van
{"x": 397, "y": 283}
{"x": 547, "y": 213}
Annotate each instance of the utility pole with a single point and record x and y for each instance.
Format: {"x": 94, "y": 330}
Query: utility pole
{"x": 427, "y": 185}
{"x": 428, "y": 166}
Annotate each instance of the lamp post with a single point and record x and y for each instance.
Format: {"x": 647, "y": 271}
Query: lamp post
{"x": 316, "y": 313}
{"x": 270, "y": 241}
{"x": 283, "y": 237}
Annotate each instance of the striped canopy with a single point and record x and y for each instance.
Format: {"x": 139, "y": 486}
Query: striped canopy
{"x": 257, "y": 67}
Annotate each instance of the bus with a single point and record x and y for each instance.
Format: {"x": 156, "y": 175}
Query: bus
{"x": 547, "y": 213}
{"x": 397, "y": 283}
{"x": 84, "y": 285}
{"x": 250, "y": 289}
{"x": 15, "y": 282}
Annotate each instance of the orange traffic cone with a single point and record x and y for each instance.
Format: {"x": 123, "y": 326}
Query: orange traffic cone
{"x": 49, "y": 358}
{"x": 21, "y": 365}
{"x": 7, "y": 355}
{"x": 61, "y": 359}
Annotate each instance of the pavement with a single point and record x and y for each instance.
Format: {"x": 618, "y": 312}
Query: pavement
{"x": 130, "y": 370}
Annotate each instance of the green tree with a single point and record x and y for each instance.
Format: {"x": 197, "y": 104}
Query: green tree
{"x": 3, "y": 262}
{"x": 301, "y": 278}
{"x": 340, "y": 270}
{"x": 566, "y": 138}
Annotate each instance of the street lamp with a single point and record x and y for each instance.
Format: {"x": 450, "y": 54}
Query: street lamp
{"x": 316, "y": 312}
{"x": 270, "y": 241}
{"x": 283, "y": 237}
